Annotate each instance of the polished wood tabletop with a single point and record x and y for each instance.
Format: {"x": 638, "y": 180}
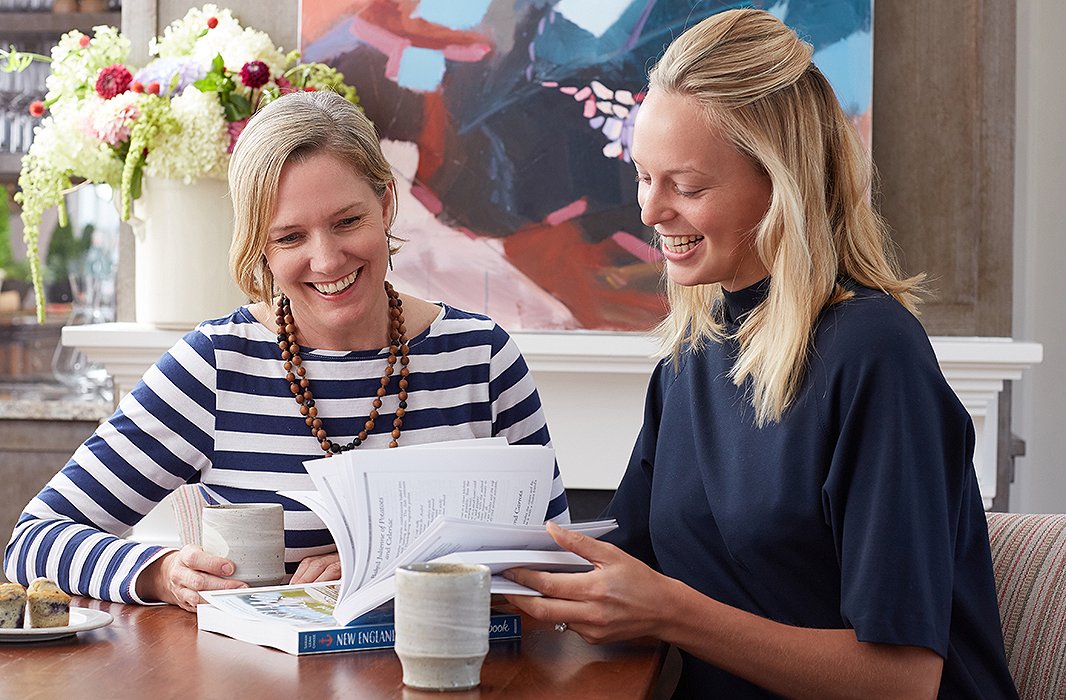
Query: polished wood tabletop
{"x": 157, "y": 652}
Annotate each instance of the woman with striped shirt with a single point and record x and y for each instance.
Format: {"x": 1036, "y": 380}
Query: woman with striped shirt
{"x": 369, "y": 367}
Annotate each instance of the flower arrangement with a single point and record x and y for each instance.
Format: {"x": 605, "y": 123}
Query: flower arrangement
{"x": 177, "y": 117}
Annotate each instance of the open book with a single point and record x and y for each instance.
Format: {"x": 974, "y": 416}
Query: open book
{"x": 481, "y": 501}
{"x": 299, "y": 620}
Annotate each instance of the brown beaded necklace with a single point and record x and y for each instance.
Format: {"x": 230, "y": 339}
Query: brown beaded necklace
{"x": 296, "y": 374}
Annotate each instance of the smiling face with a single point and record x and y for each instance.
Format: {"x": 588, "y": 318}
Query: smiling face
{"x": 701, "y": 194}
{"x": 327, "y": 250}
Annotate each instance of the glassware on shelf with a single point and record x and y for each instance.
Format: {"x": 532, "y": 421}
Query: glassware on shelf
{"x": 92, "y": 289}
{"x": 18, "y": 90}
{"x": 92, "y": 284}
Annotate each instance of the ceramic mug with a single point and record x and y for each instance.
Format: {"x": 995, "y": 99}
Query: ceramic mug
{"x": 252, "y": 536}
{"x": 442, "y": 624}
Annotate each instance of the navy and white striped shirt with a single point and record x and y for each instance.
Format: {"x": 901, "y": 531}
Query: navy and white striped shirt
{"x": 217, "y": 409}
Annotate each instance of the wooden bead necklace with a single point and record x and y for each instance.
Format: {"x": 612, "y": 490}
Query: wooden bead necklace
{"x": 296, "y": 374}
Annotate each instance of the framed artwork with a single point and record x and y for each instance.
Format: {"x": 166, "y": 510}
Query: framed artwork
{"x": 508, "y": 123}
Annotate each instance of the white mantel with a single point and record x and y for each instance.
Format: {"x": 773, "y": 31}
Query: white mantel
{"x": 592, "y": 386}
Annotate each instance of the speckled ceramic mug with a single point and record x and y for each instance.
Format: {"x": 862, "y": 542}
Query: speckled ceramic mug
{"x": 252, "y": 536}
{"x": 442, "y": 624}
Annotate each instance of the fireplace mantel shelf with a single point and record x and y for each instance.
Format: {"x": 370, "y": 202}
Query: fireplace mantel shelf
{"x": 975, "y": 367}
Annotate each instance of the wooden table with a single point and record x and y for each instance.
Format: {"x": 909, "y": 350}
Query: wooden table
{"x": 157, "y": 653}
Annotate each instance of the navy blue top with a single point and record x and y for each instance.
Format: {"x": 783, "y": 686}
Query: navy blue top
{"x": 859, "y": 509}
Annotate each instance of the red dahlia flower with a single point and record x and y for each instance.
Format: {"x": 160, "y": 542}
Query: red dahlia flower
{"x": 113, "y": 80}
{"x": 255, "y": 74}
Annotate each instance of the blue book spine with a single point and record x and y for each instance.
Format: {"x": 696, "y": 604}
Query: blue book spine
{"x": 502, "y": 626}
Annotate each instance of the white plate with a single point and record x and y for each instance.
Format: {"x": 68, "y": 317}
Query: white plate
{"x": 81, "y": 619}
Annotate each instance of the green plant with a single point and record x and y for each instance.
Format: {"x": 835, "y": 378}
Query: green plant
{"x": 6, "y": 257}
{"x": 65, "y": 249}
{"x": 12, "y": 269}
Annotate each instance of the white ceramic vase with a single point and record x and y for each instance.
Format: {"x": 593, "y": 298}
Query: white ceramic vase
{"x": 183, "y": 234}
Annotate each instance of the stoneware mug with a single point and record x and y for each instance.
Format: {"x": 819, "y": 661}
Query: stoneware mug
{"x": 442, "y": 624}
{"x": 252, "y": 536}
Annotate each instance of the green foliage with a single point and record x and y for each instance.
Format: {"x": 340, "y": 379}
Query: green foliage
{"x": 5, "y": 232}
{"x": 235, "y": 105}
{"x": 65, "y": 249}
{"x": 13, "y": 269}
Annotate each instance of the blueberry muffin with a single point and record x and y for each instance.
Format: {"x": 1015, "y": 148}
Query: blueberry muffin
{"x": 49, "y": 606}
{"x": 12, "y": 605}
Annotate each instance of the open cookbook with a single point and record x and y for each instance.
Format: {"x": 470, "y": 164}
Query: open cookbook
{"x": 473, "y": 501}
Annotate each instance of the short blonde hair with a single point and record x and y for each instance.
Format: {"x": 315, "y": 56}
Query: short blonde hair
{"x": 754, "y": 79}
{"x": 293, "y": 128}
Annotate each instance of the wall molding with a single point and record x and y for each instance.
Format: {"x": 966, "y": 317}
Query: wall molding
{"x": 975, "y": 367}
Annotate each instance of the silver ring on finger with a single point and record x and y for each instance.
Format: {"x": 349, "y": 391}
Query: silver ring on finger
{"x": 560, "y": 626}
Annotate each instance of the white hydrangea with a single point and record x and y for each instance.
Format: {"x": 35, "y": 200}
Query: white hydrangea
{"x": 190, "y": 37}
{"x": 75, "y": 67}
{"x": 180, "y": 37}
{"x": 200, "y": 147}
{"x": 62, "y": 141}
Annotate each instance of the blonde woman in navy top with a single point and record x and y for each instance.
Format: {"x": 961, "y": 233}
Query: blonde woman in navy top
{"x": 800, "y": 516}
{"x": 368, "y": 367}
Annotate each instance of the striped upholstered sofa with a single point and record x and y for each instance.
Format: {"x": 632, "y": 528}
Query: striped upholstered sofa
{"x": 1029, "y": 558}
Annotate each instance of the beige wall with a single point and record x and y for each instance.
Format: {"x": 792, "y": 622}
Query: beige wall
{"x": 1040, "y": 255}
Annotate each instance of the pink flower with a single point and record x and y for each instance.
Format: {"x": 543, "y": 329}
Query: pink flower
{"x": 111, "y": 121}
{"x": 255, "y": 74}
{"x": 235, "y": 129}
{"x": 113, "y": 80}
{"x": 284, "y": 85}
{"x": 83, "y": 41}
{"x": 37, "y": 108}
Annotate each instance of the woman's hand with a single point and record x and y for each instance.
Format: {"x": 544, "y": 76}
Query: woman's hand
{"x": 178, "y": 577}
{"x": 621, "y": 598}
{"x": 324, "y": 567}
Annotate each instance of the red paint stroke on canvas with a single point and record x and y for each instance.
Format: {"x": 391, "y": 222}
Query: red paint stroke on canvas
{"x": 622, "y": 292}
{"x": 434, "y": 134}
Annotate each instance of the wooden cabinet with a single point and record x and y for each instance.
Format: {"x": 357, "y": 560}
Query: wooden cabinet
{"x": 944, "y": 148}
{"x": 31, "y": 452}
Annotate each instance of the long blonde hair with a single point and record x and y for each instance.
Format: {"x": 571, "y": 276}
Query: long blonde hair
{"x": 292, "y": 128}
{"x": 754, "y": 78}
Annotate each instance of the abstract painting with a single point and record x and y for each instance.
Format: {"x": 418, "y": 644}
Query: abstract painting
{"x": 508, "y": 123}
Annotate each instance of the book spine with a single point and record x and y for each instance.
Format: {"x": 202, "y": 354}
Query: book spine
{"x": 367, "y": 637}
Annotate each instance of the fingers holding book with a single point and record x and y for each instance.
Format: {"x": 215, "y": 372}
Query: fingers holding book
{"x": 621, "y": 598}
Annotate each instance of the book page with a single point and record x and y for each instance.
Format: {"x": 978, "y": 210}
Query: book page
{"x": 450, "y": 535}
{"x": 306, "y": 606}
{"x": 499, "y": 546}
{"x": 327, "y": 502}
{"x": 396, "y": 494}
